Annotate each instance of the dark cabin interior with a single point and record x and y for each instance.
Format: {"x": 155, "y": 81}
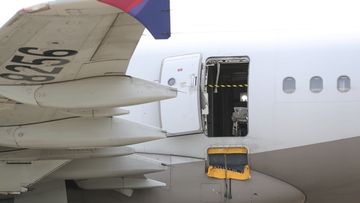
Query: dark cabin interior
{"x": 223, "y": 97}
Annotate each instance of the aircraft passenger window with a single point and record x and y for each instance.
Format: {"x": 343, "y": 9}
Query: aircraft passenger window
{"x": 289, "y": 85}
{"x": 316, "y": 84}
{"x": 225, "y": 95}
{"x": 343, "y": 84}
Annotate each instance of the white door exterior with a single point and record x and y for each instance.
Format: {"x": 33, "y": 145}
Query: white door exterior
{"x": 181, "y": 115}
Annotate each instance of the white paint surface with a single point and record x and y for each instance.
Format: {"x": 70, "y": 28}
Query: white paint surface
{"x": 181, "y": 114}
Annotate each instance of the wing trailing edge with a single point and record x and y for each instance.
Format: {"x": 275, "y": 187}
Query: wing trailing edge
{"x": 153, "y": 14}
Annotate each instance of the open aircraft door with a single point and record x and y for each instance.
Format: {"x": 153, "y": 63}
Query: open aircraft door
{"x": 182, "y": 115}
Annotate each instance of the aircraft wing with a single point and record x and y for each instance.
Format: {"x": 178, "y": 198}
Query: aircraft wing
{"x": 47, "y": 49}
{"x": 74, "y": 54}
{"x": 69, "y": 40}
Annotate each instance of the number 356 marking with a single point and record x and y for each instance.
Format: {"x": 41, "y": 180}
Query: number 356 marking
{"x": 53, "y": 60}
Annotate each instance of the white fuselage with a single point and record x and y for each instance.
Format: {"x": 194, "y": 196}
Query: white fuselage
{"x": 277, "y": 120}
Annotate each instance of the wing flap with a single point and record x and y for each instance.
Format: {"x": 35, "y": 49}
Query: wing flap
{"x": 20, "y": 114}
{"x": 121, "y": 40}
{"x": 92, "y": 69}
{"x": 17, "y": 177}
{"x": 119, "y": 183}
{"x": 110, "y": 167}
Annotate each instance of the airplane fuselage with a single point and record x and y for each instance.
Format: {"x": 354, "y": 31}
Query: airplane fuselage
{"x": 286, "y": 92}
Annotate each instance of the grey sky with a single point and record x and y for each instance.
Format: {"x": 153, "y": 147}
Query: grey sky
{"x": 8, "y": 9}
{"x": 202, "y": 15}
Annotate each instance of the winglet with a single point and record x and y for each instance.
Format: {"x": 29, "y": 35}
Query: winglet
{"x": 153, "y": 14}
